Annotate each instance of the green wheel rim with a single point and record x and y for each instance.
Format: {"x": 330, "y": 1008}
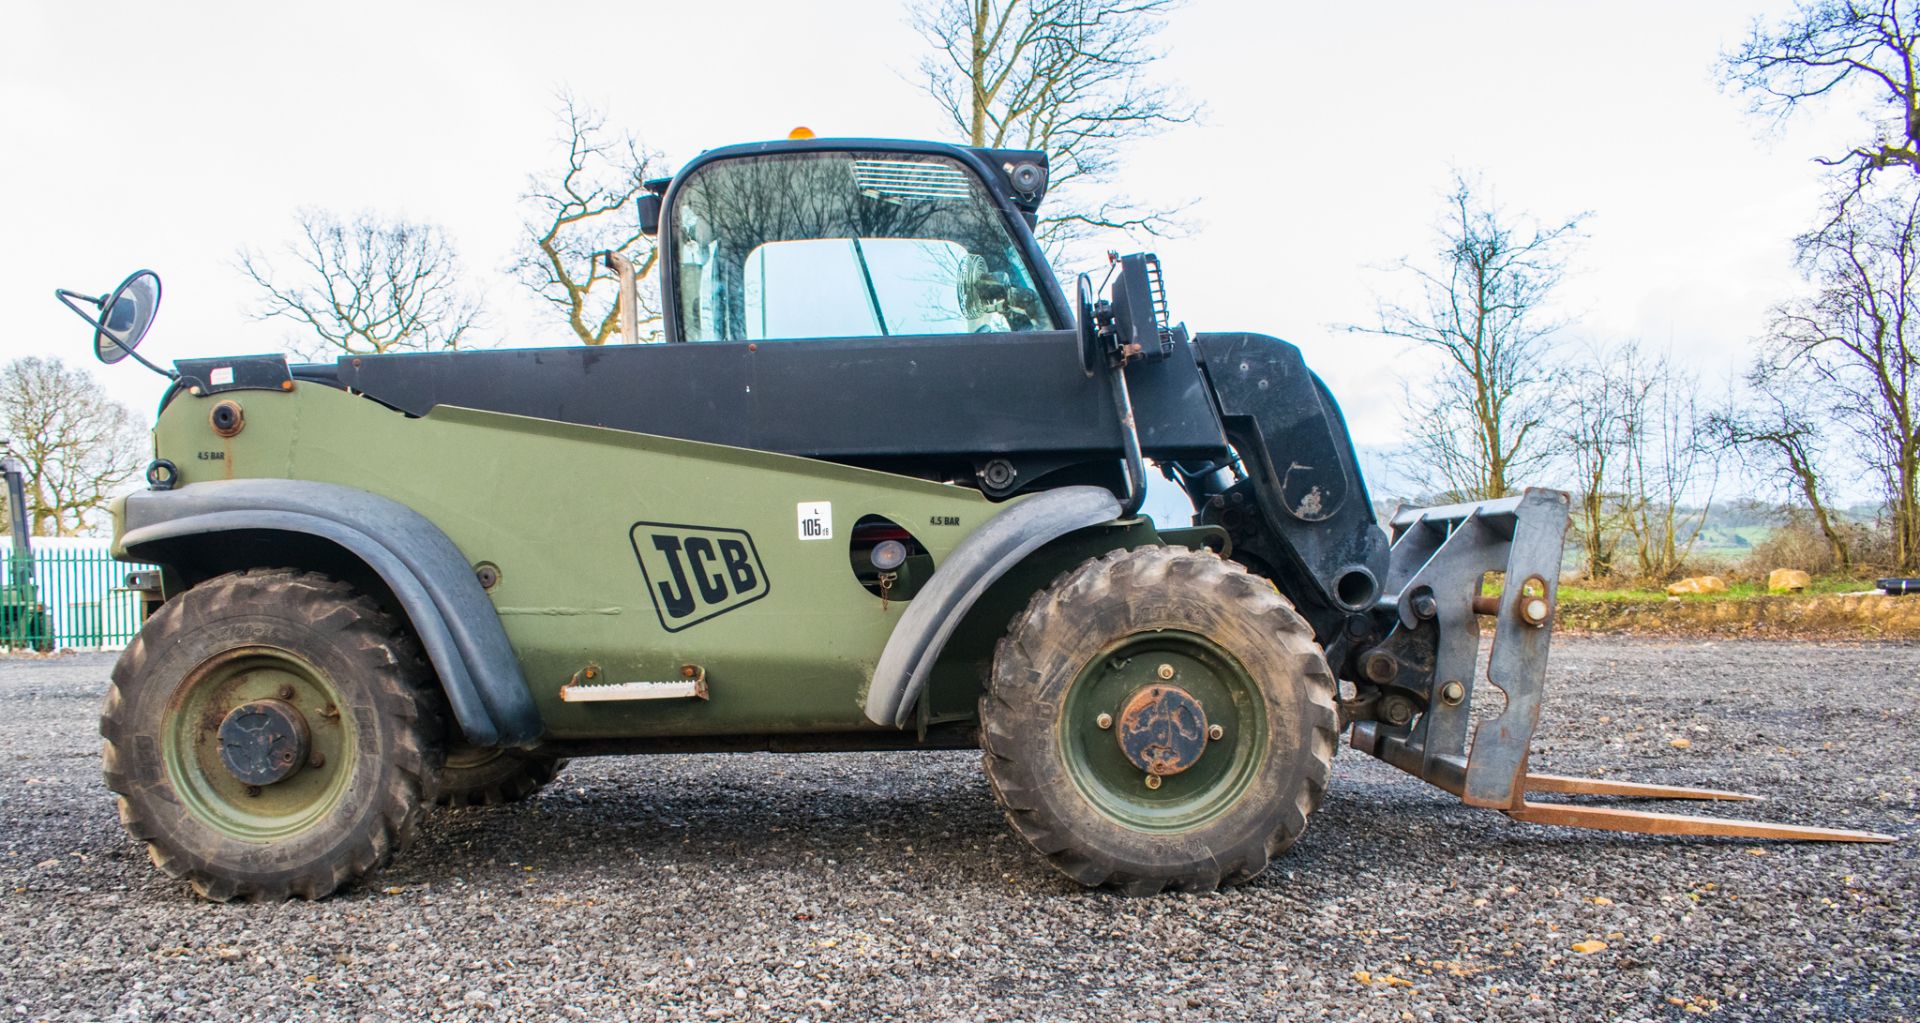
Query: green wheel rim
{"x": 1101, "y": 770}
{"x": 468, "y": 758}
{"x": 190, "y": 744}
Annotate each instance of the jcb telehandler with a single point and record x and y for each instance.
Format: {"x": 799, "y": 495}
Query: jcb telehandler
{"x": 879, "y": 488}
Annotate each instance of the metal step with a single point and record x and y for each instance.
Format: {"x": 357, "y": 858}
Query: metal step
{"x": 582, "y": 688}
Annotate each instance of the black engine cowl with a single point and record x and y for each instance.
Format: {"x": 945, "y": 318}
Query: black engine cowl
{"x": 1316, "y": 528}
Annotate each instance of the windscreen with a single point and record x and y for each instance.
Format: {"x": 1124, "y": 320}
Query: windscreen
{"x": 846, "y": 244}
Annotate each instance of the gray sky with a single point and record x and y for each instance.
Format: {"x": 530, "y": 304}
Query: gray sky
{"x": 166, "y": 136}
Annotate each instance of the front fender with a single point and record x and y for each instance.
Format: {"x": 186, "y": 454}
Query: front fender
{"x": 435, "y": 586}
{"x": 966, "y": 573}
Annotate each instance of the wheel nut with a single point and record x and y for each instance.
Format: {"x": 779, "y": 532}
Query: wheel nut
{"x": 1153, "y": 781}
{"x": 1105, "y": 721}
{"x": 318, "y": 759}
{"x": 1452, "y": 693}
{"x": 1216, "y": 733}
{"x": 253, "y": 790}
{"x": 1166, "y": 671}
{"x": 286, "y": 692}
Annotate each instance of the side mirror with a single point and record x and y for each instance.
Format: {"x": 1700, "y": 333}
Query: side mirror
{"x": 124, "y": 316}
{"x": 648, "y": 206}
{"x": 1091, "y": 350}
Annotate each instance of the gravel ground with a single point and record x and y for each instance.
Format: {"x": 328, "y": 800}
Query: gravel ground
{"x": 888, "y": 886}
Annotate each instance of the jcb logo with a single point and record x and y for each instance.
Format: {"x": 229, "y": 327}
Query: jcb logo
{"x": 697, "y": 572}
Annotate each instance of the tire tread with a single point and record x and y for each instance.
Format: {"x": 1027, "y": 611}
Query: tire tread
{"x": 399, "y": 682}
{"x": 1106, "y": 579}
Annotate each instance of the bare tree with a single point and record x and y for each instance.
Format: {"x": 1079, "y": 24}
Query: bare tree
{"x": 1663, "y": 458}
{"x": 1068, "y": 77}
{"x": 1478, "y": 425}
{"x": 1858, "y": 335}
{"x": 1592, "y": 423}
{"x": 576, "y": 215}
{"x": 1778, "y": 434}
{"x": 79, "y": 446}
{"x": 367, "y": 285}
{"x": 1828, "y": 48}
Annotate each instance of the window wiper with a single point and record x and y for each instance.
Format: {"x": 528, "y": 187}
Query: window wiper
{"x": 873, "y": 296}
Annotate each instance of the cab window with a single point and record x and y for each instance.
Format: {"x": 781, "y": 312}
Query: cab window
{"x": 808, "y": 245}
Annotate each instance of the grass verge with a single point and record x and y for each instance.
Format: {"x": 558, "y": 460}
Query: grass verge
{"x": 1822, "y": 613}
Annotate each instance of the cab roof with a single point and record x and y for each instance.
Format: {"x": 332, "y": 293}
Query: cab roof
{"x": 1004, "y": 170}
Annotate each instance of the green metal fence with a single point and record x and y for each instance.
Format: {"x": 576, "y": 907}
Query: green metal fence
{"x": 67, "y": 594}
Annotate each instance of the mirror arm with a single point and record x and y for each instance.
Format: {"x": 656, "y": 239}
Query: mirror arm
{"x": 1098, "y": 343}
{"x": 170, "y": 374}
{"x": 1129, "y": 443}
{"x": 67, "y": 297}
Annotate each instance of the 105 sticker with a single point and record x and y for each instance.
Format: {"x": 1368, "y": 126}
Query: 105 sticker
{"x": 816, "y": 520}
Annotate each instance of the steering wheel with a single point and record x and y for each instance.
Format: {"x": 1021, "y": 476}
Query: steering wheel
{"x": 1090, "y": 360}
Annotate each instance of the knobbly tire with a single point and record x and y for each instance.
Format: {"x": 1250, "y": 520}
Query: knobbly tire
{"x": 478, "y": 776}
{"x": 1159, "y": 719}
{"x": 271, "y": 733}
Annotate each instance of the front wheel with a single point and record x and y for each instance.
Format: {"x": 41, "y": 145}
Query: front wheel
{"x": 1159, "y": 718}
{"x": 270, "y": 733}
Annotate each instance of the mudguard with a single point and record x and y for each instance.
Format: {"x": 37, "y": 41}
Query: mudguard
{"x": 433, "y": 582}
{"x": 983, "y": 557}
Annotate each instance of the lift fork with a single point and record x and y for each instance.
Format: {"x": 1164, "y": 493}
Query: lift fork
{"x": 1429, "y": 661}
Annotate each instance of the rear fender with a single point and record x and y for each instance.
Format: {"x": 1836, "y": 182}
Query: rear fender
{"x": 428, "y": 576}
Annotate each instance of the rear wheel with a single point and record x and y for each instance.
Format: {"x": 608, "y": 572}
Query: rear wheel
{"x": 478, "y": 776}
{"x": 270, "y": 733}
{"x": 1159, "y": 718}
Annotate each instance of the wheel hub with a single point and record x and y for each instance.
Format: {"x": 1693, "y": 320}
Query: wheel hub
{"x": 1163, "y": 730}
{"x": 264, "y": 742}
